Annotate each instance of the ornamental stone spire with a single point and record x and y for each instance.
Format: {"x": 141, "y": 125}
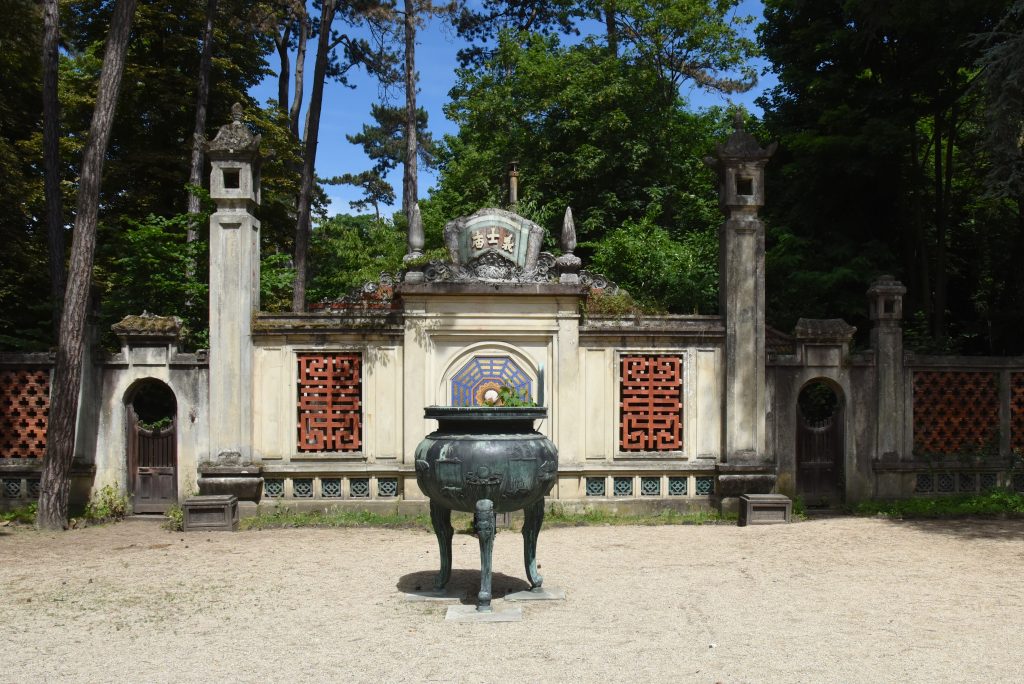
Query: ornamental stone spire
{"x": 568, "y": 264}
{"x": 740, "y": 163}
{"x": 234, "y": 287}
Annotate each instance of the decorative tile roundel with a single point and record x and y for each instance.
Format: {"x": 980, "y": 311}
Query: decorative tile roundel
{"x": 482, "y": 376}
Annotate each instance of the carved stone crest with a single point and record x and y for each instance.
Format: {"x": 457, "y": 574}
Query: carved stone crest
{"x": 494, "y": 232}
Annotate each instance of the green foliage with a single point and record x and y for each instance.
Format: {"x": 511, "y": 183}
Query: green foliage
{"x": 147, "y": 165}
{"x": 799, "y": 508}
{"x": 24, "y": 281}
{"x": 680, "y": 275}
{"x": 106, "y": 505}
{"x": 999, "y": 502}
{"x": 174, "y": 518}
{"x": 509, "y": 396}
{"x": 882, "y": 168}
{"x": 158, "y": 424}
{"x": 283, "y": 517}
{"x": 154, "y": 252}
{"x": 1002, "y": 78}
{"x": 609, "y": 138}
{"x": 25, "y": 515}
{"x": 700, "y": 41}
{"x": 348, "y": 251}
{"x": 276, "y": 278}
{"x": 619, "y": 305}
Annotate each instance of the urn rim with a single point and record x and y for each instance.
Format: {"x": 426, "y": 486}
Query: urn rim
{"x": 485, "y": 413}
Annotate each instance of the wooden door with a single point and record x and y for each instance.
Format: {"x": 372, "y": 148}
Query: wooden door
{"x": 153, "y": 465}
{"x": 819, "y": 459}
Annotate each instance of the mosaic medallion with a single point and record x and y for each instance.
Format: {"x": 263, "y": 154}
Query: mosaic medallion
{"x": 478, "y": 382}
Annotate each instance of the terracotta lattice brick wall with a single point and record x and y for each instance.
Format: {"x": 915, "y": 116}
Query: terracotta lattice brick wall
{"x": 1017, "y": 411}
{"x": 330, "y": 402}
{"x": 651, "y": 403}
{"x": 955, "y": 411}
{"x": 24, "y": 410}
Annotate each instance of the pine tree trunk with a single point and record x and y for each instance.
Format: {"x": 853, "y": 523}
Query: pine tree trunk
{"x": 284, "y": 73}
{"x": 410, "y": 179}
{"x": 55, "y": 484}
{"x": 611, "y": 29}
{"x": 195, "y": 176}
{"x": 51, "y": 160}
{"x": 312, "y": 132}
{"x": 300, "y": 69}
{"x": 939, "y": 298}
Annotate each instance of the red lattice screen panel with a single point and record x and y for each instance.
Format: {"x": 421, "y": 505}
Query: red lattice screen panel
{"x": 1017, "y": 411}
{"x": 24, "y": 408}
{"x": 955, "y": 411}
{"x": 651, "y": 403}
{"x": 330, "y": 404}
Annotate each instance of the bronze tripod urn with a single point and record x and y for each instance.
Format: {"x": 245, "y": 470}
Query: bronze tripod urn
{"x": 486, "y": 460}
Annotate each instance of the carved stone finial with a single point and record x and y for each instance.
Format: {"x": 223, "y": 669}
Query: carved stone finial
{"x": 415, "y": 231}
{"x": 737, "y": 121}
{"x": 414, "y": 271}
{"x": 568, "y": 232}
{"x": 568, "y": 264}
{"x": 233, "y": 139}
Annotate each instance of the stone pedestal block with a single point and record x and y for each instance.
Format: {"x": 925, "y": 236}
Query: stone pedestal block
{"x": 211, "y": 513}
{"x": 764, "y": 509}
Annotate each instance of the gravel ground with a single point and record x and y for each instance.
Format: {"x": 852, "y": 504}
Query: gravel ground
{"x": 831, "y": 600}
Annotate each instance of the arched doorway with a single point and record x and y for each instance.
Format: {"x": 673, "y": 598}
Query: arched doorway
{"x": 820, "y": 451}
{"x": 152, "y": 441}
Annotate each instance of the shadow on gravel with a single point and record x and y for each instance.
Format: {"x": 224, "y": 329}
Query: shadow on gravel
{"x": 970, "y": 528}
{"x": 466, "y": 583}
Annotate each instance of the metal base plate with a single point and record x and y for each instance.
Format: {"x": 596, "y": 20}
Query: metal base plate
{"x": 464, "y": 613}
{"x": 539, "y": 594}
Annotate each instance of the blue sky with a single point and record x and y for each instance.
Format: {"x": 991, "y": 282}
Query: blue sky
{"x": 346, "y": 110}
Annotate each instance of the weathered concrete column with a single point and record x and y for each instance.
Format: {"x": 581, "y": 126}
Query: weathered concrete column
{"x": 740, "y": 165}
{"x": 885, "y": 297}
{"x": 234, "y": 288}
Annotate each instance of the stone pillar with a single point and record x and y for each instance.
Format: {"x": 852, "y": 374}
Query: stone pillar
{"x": 885, "y": 298}
{"x": 234, "y": 288}
{"x": 740, "y": 165}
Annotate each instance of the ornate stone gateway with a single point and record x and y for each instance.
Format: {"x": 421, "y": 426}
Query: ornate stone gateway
{"x": 486, "y": 460}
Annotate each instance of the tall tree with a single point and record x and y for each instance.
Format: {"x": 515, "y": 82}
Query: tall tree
{"x": 384, "y": 142}
{"x": 480, "y": 24}
{"x": 413, "y": 15}
{"x": 195, "y": 176}
{"x": 312, "y": 132}
{"x": 700, "y": 41}
{"x": 609, "y": 138}
{"x": 55, "y": 482}
{"x": 291, "y": 29}
{"x": 875, "y": 101}
{"x": 51, "y": 158}
{"x": 25, "y": 316}
{"x": 410, "y": 174}
{"x": 355, "y": 51}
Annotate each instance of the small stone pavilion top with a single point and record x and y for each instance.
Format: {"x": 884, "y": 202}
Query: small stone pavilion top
{"x": 233, "y": 139}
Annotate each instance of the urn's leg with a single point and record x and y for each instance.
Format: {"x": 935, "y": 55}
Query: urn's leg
{"x": 485, "y": 530}
{"x": 441, "y": 518}
{"x": 533, "y": 516}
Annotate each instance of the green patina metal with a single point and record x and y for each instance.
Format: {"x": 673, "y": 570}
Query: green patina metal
{"x": 486, "y": 460}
